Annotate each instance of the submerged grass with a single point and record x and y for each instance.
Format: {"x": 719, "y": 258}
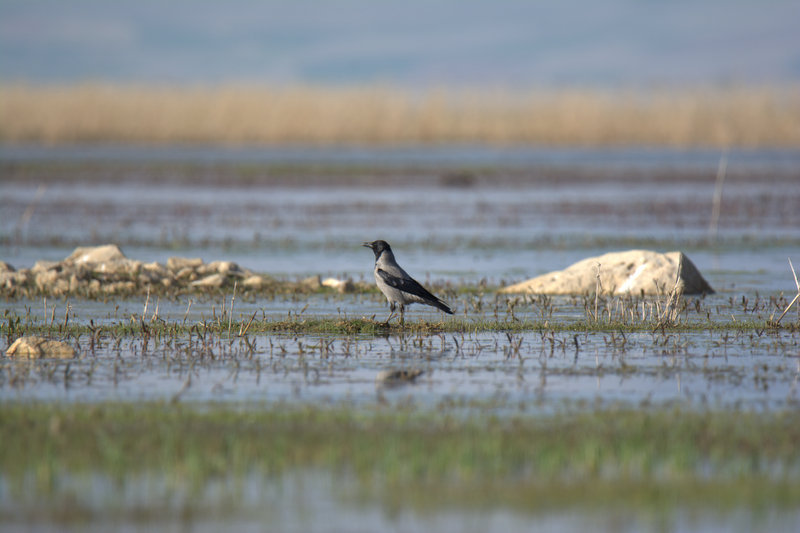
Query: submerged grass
{"x": 427, "y": 458}
{"x": 56, "y": 459}
{"x": 12, "y": 327}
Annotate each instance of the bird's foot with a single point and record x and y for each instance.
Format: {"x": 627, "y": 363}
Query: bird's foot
{"x": 386, "y": 322}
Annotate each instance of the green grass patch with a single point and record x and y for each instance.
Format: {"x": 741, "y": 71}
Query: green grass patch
{"x": 422, "y": 458}
{"x": 12, "y": 326}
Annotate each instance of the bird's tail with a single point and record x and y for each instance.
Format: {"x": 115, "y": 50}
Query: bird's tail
{"x": 443, "y": 306}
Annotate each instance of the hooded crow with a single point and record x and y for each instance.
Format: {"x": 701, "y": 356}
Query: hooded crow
{"x": 397, "y": 285}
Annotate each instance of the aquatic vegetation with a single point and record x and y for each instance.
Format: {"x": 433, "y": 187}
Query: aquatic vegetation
{"x": 667, "y": 456}
{"x": 249, "y": 400}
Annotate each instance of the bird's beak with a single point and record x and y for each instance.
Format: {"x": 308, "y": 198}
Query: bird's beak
{"x": 367, "y": 244}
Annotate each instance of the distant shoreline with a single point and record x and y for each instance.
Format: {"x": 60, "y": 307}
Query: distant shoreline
{"x": 761, "y": 117}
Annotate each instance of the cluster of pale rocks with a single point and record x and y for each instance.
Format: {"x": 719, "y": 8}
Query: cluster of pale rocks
{"x": 105, "y": 270}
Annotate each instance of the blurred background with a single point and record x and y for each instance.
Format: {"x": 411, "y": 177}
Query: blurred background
{"x": 275, "y": 132}
{"x": 413, "y": 44}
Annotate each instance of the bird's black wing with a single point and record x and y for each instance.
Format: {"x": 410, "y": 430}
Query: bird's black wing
{"x": 406, "y": 285}
{"x": 411, "y": 286}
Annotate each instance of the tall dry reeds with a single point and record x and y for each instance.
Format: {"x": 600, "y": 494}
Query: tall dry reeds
{"x": 713, "y": 117}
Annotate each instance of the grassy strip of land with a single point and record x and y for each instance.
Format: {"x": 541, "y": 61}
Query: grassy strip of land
{"x": 705, "y": 116}
{"x": 13, "y": 327}
{"x": 428, "y": 458}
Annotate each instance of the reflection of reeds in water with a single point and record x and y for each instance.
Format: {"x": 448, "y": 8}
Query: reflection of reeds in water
{"x": 747, "y": 117}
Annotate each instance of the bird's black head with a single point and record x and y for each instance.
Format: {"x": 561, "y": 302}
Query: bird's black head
{"x": 378, "y": 247}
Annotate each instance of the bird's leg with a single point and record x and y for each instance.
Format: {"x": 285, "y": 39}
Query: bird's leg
{"x": 402, "y": 315}
{"x": 391, "y": 312}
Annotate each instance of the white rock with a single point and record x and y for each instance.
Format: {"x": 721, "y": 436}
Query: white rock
{"x": 628, "y": 272}
{"x": 180, "y": 263}
{"x": 107, "y": 253}
{"x": 186, "y": 273}
{"x": 106, "y": 259}
{"x": 36, "y": 347}
{"x": 214, "y": 280}
{"x": 154, "y": 271}
{"x": 222, "y": 267}
{"x": 253, "y": 282}
{"x": 44, "y": 265}
{"x": 45, "y": 279}
{"x": 340, "y": 285}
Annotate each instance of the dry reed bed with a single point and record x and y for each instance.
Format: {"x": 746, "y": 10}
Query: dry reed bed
{"x": 714, "y": 117}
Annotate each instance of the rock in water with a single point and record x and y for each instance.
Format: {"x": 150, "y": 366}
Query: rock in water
{"x": 94, "y": 255}
{"x": 179, "y": 263}
{"x": 254, "y": 282}
{"x": 39, "y": 347}
{"x": 629, "y": 272}
{"x": 105, "y": 259}
{"x": 341, "y": 285}
{"x": 214, "y": 280}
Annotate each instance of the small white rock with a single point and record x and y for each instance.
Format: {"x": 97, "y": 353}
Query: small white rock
{"x": 39, "y": 347}
{"x": 214, "y": 280}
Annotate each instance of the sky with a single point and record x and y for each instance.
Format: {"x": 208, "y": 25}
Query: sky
{"x": 413, "y": 43}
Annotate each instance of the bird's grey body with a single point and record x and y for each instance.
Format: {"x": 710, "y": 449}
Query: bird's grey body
{"x": 395, "y": 283}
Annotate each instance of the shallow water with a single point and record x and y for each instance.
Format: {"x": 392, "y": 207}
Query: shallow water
{"x": 316, "y": 502}
{"x": 519, "y": 213}
{"x": 535, "y": 212}
{"x": 439, "y": 156}
{"x": 516, "y": 213}
{"x": 538, "y": 371}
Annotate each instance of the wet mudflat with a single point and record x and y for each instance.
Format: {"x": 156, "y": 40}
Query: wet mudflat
{"x": 693, "y": 416}
{"x": 613, "y": 396}
{"x": 530, "y": 354}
